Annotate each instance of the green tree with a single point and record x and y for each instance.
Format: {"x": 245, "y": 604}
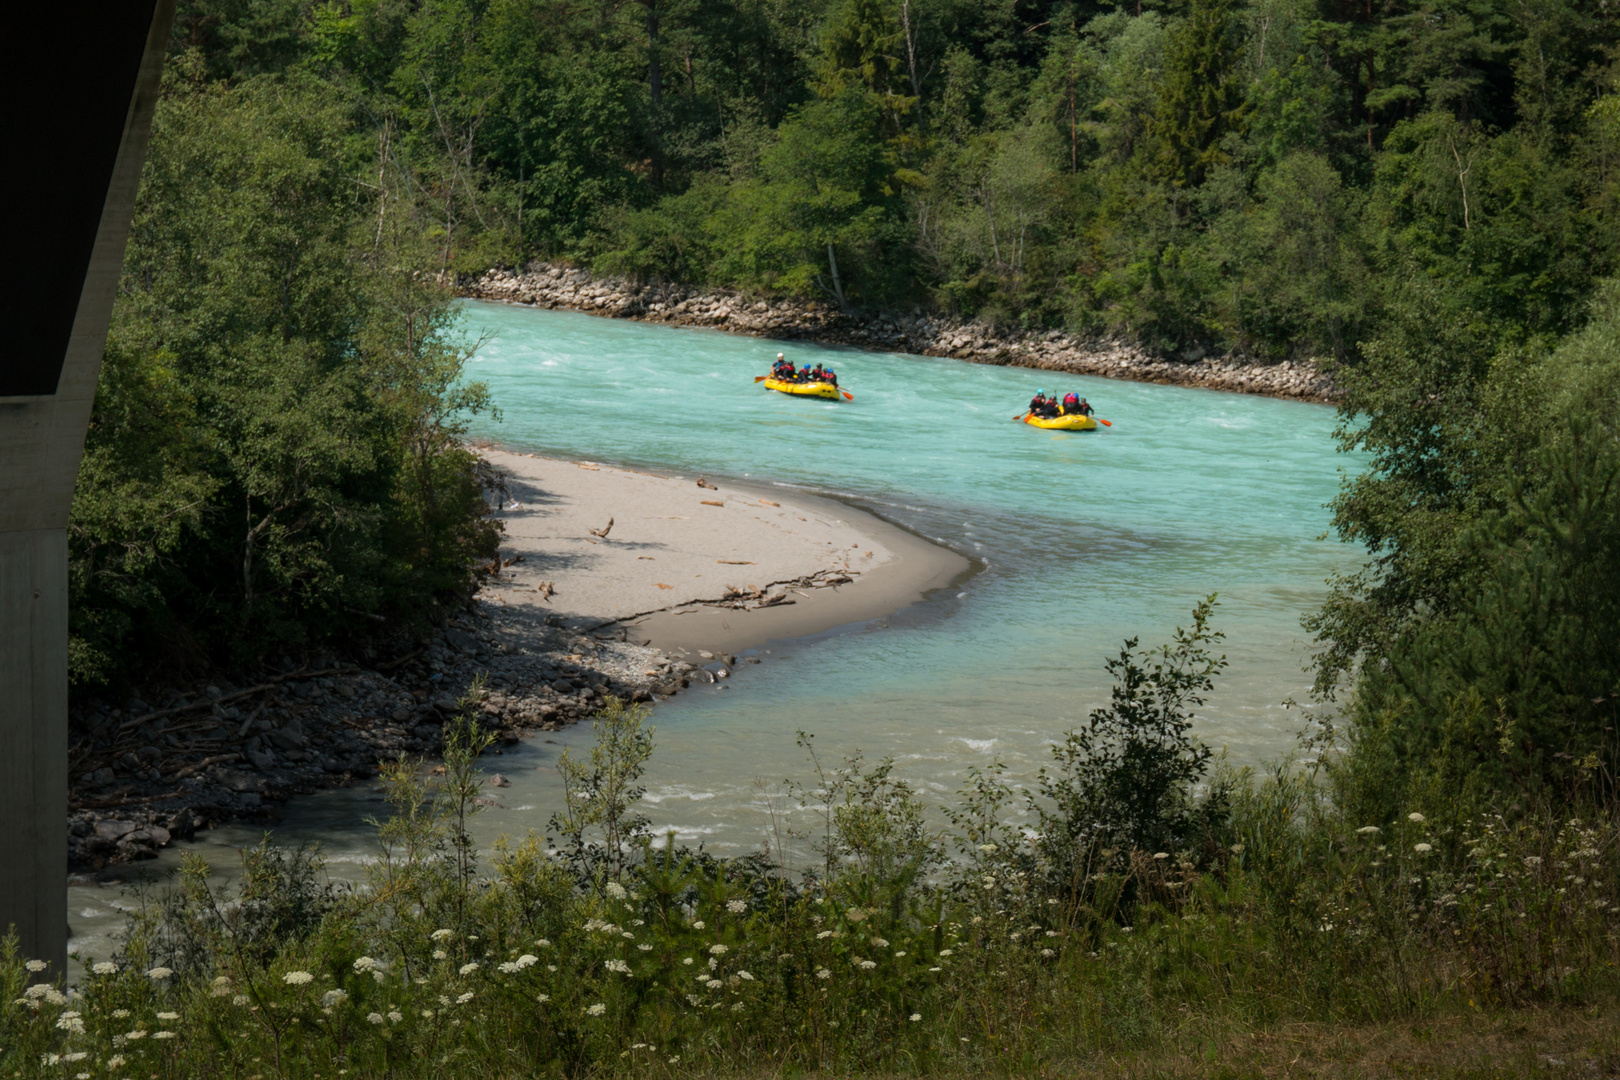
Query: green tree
{"x": 1200, "y": 95}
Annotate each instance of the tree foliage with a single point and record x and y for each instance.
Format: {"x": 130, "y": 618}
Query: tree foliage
{"x": 273, "y": 451}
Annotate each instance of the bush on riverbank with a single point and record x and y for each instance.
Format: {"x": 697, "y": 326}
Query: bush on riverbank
{"x": 273, "y": 458}
{"x": 904, "y": 949}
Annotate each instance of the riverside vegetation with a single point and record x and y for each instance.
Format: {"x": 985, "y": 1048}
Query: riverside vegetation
{"x": 1151, "y": 906}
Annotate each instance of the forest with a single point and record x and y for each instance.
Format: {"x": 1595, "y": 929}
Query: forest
{"x": 1258, "y": 176}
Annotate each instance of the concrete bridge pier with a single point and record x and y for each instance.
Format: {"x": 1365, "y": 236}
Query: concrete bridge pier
{"x": 78, "y": 101}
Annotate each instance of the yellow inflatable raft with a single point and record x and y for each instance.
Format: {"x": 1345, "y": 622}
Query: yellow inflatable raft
{"x": 1072, "y": 422}
{"x": 814, "y": 389}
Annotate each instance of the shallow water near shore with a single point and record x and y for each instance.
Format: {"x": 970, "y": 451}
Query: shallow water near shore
{"x": 1084, "y": 539}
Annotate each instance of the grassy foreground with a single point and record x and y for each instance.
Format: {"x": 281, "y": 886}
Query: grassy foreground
{"x": 1269, "y": 935}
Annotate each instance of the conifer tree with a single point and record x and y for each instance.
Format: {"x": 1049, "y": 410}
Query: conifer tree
{"x": 1200, "y": 97}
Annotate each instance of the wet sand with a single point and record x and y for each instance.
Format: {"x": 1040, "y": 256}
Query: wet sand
{"x": 670, "y": 569}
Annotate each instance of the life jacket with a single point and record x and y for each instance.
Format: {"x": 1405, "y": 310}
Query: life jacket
{"x": 1071, "y": 399}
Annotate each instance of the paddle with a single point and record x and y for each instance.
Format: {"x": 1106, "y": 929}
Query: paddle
{"x": 1019, "y": 417}
{"x": 847, "y": 395}
{"x": 1103, "y": 422}
{"x": 761, "y": 378}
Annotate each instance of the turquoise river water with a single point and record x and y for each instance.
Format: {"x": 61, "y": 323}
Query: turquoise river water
{"x": 1083, "y": 539}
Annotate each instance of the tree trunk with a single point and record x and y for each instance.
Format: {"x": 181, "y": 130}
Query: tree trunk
{"x": 838, "y": 287}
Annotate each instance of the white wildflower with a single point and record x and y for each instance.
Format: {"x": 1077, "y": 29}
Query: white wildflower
{"x": 1422, "y": 849}
{"x": 374, "y": 1018}
{"x": 395, "y": 1016}
{"x": 542, "y": 998}
{"x": 596, "y": 1010}
{"x": 105, "y": 968}
{"x": 442, "y": 935}
{"x": 687, "y": 961}
{"x": 1368, "y": 830}
{"x": 915, "y": 1017}
{"x": 297, "y": 978}
{"x": 825, "y": 934}
{"x": 944, "y": 952}
{"x": 162, "y": 1034}
{"x": 526, "y": 960}
{"x": 542, "y": 943}
{"x": 160, "y": 1016}
{"x": 469, "y": 967}
{"x": 134, "y": 1035}
{"x": 36, "y": 965}
{"x": 464, "y": 998}
{"x": 644, "y": 947}
{"x": 159, "y": 973}
{"x": 618, "y": 965}
{"x": 440, "y": 954}
{"x": 508, "y": 968}
{"x": 239, "y": 1000}
{"x": 880, "y": 943}
{"x": 823, "y": 973}
{"x": 70, "y": 1022}
{"x": 120, "y": 1014}
{"x": 714, "y": 984}
{"x": 866, "y": 965}
{"x": 698, "y": 925}
{"x": 1048, "y": 953}
{"x": 718, "y": 950}
{"x": 1161, "y": 854}
{"x": 116, "y": 1061}
{"x": 737, "y": 907}
{"x": 333, "y": 998}
{"x": 365, "y": 964}
{"x": 899, "y": 953}
{"x": 77, "y": 1055}
{"x": 744, "y": 976}
{"x": 1415, "y": 817}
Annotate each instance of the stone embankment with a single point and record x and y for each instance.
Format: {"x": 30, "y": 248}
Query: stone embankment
{"x": 550, "y": 286}
{"x": 165, "y": 763}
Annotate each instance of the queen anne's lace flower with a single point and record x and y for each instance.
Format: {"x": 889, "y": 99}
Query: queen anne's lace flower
{"x": 105, "y": 968}
{"x": 915, "y": 1017}
{"x": 162, "y": 1034}
{"x": 823, "y": 973}
{"x": 36, "y": 965}
{"x": 159, "y": 973}
{"x": 395, "y": 1016}
{"x": 596, "y": 1010}
{"x": 374, "y": 1018}
{"x": 469, "y": 967}
{"x": 365, "y": 964}
{"x": 1368, "y": 830}
{"x": 616, "y": 891}
{"x": 167, "y": 1016}
{"x": 334, "y": 998}
{"x": 1422, "y": 849}
{"x": 714, "y": 984}
{"x": 464, "y": 998}
{"x": 440, "y": 954}
{"x": 442, "y": 935}
{"x": 736, "y": 907}
{"x": 618, "y": 965}
{"x": 718, "y": 950}
{"x": 298, "y": 978}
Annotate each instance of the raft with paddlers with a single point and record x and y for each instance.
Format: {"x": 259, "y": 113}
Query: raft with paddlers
{"x": 1073, "y": 413}
{"x": 819, "y": 382}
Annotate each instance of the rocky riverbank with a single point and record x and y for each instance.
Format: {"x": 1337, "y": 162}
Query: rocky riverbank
{"x": 550, "y": 286}
{"x": 147, "y": 772}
